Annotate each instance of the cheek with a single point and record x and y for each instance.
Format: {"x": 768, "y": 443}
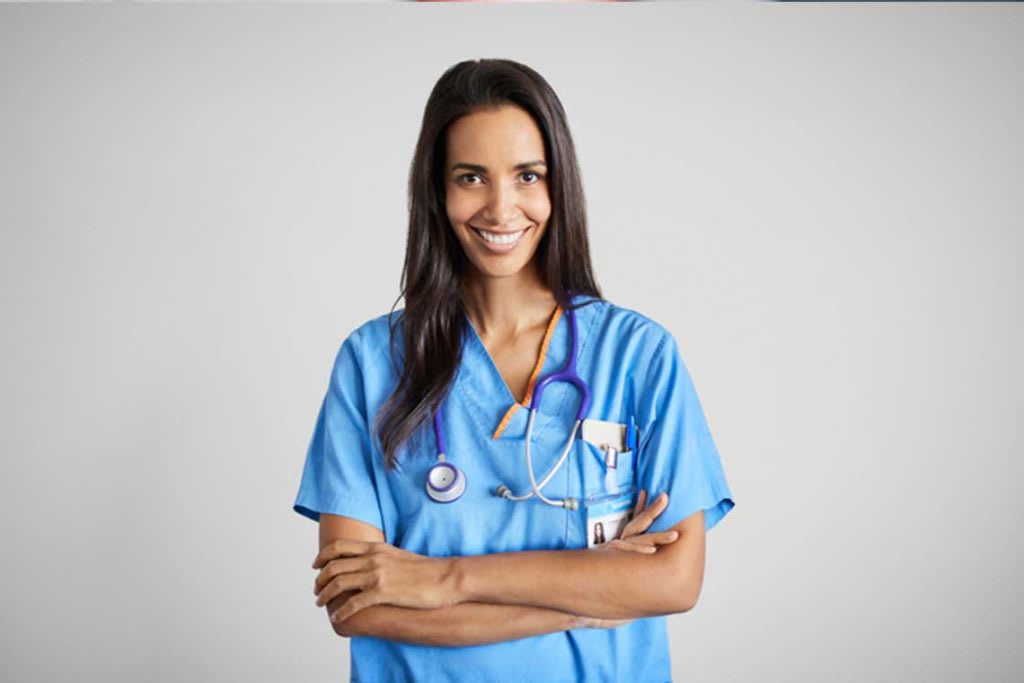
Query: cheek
{"x": 538, "y": 209}
{"x": 460, "y": 208}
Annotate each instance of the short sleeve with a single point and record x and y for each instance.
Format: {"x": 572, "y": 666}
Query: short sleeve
{"x": 338, "y": 474}
{"x": 677, "y": 454}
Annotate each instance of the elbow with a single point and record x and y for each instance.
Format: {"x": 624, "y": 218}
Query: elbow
{"x": 684, "y": 596}
{"x": 687, "y": 597}
{"x": 353, "y": 626}
{"x": 685, "y": 603}
{"x": 359, "y": 624}
{"x": 675, "y": 597}
{"x": 356, "y": 625}
{"x": 344, "y": 629}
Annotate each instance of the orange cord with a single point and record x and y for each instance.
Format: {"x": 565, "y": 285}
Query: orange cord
{"x": 533, "y": 376}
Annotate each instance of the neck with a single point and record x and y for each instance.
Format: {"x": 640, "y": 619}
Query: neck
{"x": 501, "y": 307}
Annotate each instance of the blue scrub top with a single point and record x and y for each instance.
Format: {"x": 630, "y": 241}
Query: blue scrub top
{"x": 633, "y": 367}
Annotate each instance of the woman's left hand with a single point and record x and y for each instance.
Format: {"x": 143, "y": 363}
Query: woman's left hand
{"x": 382, "y": 574}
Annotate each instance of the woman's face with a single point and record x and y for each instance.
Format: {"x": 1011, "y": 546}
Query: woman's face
{"x": 496, "y": 191}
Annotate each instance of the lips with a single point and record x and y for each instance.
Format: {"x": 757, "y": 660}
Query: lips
{"x": 500, "y": 232}
{"x": 501, "y": 241}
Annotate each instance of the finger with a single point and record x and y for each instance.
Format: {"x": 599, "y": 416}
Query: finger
{"x": 640, "y": 522}
{"x": 339, "y": 548}
{"x": 618, "y": 622}
{"x": 634, "y": 519}
{"x": 345, "y": 582}
{"x": 637, "y": 547}
{"x": 357, "y": 602}
{"x": 641, "y": 500}
{"x": 656, "y": 507}
{"x": 656, "y": 538}
{"x": 620, "y": 544}
{"x": 336, "y": 567}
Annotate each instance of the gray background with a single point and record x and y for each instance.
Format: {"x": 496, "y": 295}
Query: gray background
{"x": 822, "y": 203}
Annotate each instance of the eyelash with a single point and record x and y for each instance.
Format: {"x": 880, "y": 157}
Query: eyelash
{"x": 540, "y": 176}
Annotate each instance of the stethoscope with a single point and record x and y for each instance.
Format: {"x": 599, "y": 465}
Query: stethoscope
{"x": 446, "y": 483}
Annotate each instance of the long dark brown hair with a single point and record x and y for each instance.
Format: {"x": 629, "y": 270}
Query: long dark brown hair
{"x": 434, "y": 321}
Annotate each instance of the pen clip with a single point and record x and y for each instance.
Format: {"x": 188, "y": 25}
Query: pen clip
{"x": 611, "y": 471}
{"x": 632, "y": 435}
{"x": 611, "y": 456}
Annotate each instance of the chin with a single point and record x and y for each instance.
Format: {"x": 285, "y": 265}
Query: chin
{"x": 504, "y": 270}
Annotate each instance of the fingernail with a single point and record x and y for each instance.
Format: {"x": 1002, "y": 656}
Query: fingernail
{"x": 674, "y": 535}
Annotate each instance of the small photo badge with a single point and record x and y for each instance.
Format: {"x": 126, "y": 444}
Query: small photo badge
{"x": 607, "y": 517}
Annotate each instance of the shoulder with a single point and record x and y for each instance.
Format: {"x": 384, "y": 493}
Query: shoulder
{"x": 373, "y": 332}
{"x": 630, "y": 329}
{"x": 369, "y": 343}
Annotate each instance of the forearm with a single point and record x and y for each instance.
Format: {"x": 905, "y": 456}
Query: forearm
{"x": 466, "y": 623}
{"x": 598, "y": 582}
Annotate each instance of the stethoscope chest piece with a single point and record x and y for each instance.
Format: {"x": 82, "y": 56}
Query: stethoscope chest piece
{"x": 445, "y": 482}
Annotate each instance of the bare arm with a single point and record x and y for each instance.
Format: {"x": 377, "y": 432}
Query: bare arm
{"x": 605, "y": 584}
{"x": 600, "y": 582}
{"x": 471, "y": 622}
{"x": 467, "y": 623}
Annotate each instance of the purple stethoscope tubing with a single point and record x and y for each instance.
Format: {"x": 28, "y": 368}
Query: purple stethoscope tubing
{"x": 439, "y": 432}
{"x": 569, "y": 374}
{"x": 566, "y": 374}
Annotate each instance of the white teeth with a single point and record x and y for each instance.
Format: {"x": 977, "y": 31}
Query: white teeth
{"x": 495, "y": 238}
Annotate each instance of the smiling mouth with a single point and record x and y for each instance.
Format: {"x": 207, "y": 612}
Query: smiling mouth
{"x": 501, "y": 239}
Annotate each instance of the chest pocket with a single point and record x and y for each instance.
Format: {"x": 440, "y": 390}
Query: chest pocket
{"x": 604, "y": 471}
{"x": 608, "y": 494}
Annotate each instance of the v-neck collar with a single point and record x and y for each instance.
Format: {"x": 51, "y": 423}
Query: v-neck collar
{"x": 537, "y": 366}
{"x": 499, "y": 416}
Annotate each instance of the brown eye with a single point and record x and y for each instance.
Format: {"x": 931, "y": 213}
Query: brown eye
{"x": 536, "y": 175}
{"x": 461, "y": 178}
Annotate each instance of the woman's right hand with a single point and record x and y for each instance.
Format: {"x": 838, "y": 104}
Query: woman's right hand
{"x": 633, "y": 539}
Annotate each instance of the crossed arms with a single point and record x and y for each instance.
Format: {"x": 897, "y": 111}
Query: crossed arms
{"x": 370, "y": 588}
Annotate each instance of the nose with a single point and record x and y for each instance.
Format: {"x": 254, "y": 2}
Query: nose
{"x": 501, "y": 204}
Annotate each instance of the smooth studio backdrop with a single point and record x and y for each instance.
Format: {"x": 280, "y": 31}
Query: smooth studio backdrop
{"x": 822, "y": 202}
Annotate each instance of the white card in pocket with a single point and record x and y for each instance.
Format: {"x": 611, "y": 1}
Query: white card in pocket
{"x": 602, "y": 433}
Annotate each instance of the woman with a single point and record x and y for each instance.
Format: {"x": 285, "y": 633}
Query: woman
{"x": 447, "y": 553}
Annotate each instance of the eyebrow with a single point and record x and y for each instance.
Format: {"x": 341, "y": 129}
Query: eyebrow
{"x": 483, "y": 169}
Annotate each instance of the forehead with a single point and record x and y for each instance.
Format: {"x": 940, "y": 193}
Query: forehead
{"x": 495, "y": 137}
